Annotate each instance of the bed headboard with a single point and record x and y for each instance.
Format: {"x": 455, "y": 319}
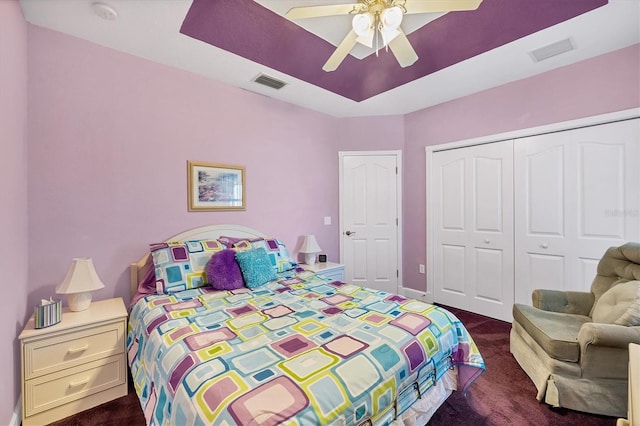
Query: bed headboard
{"x": 210, "y": 232}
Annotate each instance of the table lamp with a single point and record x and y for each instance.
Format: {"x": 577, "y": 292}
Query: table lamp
{"x": 80, "y": 281}
{"x": 310, "y": 248}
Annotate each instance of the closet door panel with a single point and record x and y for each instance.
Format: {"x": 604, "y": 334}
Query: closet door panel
{"x": 489, "y": 276}
{"x": 542, "y": 174}
{"x": 580, "y": 200}
{"x": 608, "y": 181}
{"x": 473, "y": 228}
{"x": 453, "y": 275}
{"x": 540, "y": 209}
{"x": 452, "y": 212}
{"x": 546, "y": 271}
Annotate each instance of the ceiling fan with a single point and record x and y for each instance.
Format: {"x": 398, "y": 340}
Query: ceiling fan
{"x": 375, "y": 19}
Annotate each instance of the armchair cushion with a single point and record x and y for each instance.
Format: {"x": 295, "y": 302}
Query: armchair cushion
{"x": 560, "y": 343}
{"x": 632, "y": 316}
{"x": 615, "y": 302}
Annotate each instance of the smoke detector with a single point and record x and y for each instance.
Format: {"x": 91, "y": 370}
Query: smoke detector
{"x": 104, "y": 11}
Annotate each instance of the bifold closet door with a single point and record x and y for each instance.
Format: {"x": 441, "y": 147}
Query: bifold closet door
{"x": 577, "y": 193}
{"x": 472, "y": 208}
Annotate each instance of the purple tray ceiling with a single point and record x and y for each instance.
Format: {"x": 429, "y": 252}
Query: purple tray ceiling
{"x": 250, "y": 30}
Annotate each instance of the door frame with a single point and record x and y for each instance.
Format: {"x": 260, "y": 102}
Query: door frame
{"x": 398, "y": 155}
{"x": 627, "y": 114}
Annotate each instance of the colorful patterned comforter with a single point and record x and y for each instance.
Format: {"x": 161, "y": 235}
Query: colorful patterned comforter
{"x": 298, "y": 351}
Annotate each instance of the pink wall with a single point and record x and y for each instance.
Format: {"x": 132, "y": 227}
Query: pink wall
{"x": 13, "y": 192}
{"x": 371, "y": 133}
{"x": 596, "y": 86}
{"x": 110, "y": 136}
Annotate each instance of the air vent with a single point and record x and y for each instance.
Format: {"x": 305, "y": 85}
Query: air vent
{"x": 265, "y": 80}
{"x": 553, "y": 49}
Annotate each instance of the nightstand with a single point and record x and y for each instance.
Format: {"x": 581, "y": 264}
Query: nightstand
{"x": 334, "y": 271}
{"x": 74, "y": 365}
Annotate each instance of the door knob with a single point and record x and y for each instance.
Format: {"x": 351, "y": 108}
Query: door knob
{"x": 544, "y": 245}
{"x": 349, "y": 233}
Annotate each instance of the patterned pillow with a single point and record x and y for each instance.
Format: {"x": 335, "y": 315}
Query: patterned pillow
{"x": 279, "y": 256}
{"x": 230, "y": 241}
{"x": 180, "y": 265}
{"x": 256, "y": 267}
{"x": 223, "y": 272}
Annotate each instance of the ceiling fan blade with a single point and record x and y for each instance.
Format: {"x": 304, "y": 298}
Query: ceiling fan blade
{"x": 341, "y": 52}
{"x": 421, "y": 6}
{"x": 326, "y": 10}
{"x": 403, "y": 51}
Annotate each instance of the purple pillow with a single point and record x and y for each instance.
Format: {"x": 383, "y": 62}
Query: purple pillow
{"x": 223, "y": 271}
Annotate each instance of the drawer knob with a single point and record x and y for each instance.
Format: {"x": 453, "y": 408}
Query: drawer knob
{"x": 78, "y": 350}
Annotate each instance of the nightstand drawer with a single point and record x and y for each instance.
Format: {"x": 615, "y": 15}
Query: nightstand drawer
{"x": 50, "y": 391}
{"x": 74, "y": 348}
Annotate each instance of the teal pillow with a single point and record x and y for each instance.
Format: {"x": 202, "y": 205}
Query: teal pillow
{"x": 256, "y": 267}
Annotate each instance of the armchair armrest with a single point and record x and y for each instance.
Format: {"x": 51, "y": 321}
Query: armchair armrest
{"x": 610, "y": 335}
{"x": 566, "y": 302}
{"x": 604, "y": 349}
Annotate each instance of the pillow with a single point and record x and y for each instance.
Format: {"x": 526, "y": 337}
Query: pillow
{"x": 230, "y": 241}
{"x": 615, "y": 302}
{"x": 148, "y": 283}
{"x": 632, "y": 316}
{"x": 223, "y": 272}
{"x": 279, "y": 256}
{"x": 180, "y": 265}
{"x": 256, "y": 267}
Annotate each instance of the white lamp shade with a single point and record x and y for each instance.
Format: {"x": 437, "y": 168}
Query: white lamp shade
{"x": 310, "y": 248}
{"x": 80, "y": 281}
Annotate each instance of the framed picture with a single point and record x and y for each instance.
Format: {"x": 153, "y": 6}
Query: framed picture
{"x": 215, "y": 186}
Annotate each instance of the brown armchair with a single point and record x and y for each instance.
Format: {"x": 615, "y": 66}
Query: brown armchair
{"x": 574, "y": 345}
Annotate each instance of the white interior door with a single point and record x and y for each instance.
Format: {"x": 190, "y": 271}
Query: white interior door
{"x": 472, "y": 216}
{"x": 577, "y": 196}
{"x": 369, "y": 218}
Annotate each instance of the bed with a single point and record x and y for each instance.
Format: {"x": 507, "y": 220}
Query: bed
{"x": 299, "y": 349}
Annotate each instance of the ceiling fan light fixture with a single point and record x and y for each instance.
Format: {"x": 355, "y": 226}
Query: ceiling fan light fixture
{"x": 363, "y": 26}
{"x": 391, "y": 18}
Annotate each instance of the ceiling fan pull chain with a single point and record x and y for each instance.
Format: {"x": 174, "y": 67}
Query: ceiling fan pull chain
{"x": 377, "y": 42}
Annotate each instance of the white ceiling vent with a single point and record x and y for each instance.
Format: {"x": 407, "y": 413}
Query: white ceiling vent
{"x": 265, "y": 80}
{"x": 553, "y": 49}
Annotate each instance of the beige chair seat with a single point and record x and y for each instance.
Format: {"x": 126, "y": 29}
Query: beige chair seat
{"x": 560, "y": 343}
{"x": 574, "y": 345}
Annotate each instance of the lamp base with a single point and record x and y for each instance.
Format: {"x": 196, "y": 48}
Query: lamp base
{"x": 79, "y": 301}
{"x": 310, "y": 258}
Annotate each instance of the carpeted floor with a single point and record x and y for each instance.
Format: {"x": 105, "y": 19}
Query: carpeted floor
{"x": 503, "y": 395}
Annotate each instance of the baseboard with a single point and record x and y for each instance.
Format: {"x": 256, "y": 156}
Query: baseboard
{"x": 16, "y": 418}
{"x": 415, "y": 294}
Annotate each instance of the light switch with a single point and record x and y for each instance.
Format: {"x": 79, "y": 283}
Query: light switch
{"x": 327, "y": 220}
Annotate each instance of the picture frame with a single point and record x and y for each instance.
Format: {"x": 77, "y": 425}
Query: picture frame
{"x": 215, "y": 187}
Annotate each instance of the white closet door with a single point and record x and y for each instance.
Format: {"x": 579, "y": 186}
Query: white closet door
{"x": 576, "y": 195}
{"x": 473, "y": 227}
